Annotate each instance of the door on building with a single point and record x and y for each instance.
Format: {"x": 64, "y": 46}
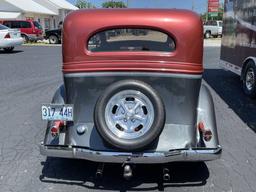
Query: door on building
{"x": 47, "y": 24}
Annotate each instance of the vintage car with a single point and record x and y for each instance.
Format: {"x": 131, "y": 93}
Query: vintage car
{"x": 135, "y": 96}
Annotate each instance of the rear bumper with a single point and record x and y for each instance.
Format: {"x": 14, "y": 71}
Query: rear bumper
{"x": 12, "y": 42}
{"x": 179, "y": 155}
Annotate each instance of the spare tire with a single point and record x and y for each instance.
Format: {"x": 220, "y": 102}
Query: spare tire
{"x": 129, "y": 115}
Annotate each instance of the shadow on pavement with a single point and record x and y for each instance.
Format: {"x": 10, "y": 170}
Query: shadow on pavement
{"x": 229, "y": 87}
{"x": 146, "y": 177}
{"x": 13, "y": 52}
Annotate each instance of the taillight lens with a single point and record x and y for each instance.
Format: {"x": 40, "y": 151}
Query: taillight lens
{"x": 7, "y": 36}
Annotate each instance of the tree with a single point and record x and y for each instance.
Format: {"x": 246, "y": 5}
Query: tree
{"x": 114, "y": 4}
{"x": 81, "y": 4}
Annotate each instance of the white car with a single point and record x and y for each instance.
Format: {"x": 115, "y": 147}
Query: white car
{"x": 9, "y": 38}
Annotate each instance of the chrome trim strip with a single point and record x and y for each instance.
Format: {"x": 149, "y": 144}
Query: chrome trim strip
{"x": 199, "y": 154}
{"x": 231, "y": 67}
{"x": 133, "y": 74}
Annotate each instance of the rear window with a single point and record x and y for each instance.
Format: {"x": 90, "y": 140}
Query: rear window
{"x": 130, "y": 39}
{"x": 2, "y": 27}
{"x": 15, "y": 24}
{"x": 8, "y": 24}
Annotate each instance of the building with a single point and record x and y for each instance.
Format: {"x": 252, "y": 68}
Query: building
{"x": 49, "y": 13}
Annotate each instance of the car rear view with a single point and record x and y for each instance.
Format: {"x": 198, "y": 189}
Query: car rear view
{"x": 132, "y": 90}
{"x": 9, "y": 38}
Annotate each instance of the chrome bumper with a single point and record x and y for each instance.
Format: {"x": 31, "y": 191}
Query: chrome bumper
{"x": 198, "y": 154}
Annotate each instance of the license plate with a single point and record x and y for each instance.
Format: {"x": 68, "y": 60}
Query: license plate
{"x": 57, "y": 112}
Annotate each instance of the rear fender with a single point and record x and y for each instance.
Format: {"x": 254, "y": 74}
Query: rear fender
{"x": 206, "y": 115}
{"x": 58, "y": 98}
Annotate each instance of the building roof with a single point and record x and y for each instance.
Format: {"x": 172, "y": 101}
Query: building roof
{"x": 9, "y": 15}
{"x": 30, "y": 6}
{"x": 63, "y": 4}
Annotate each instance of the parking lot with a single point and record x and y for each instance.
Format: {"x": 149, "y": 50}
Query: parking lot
{"x": 29, "y": 77}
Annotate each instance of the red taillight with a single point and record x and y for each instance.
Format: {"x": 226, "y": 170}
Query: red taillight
{"x": 207, "y": 133}
{"x": 56, "y": 128}
{"x": 7, "y": 36}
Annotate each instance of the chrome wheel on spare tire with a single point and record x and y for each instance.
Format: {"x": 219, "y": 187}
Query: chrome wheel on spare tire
{"x": 249, "y": 80}
{"x": 129, "y": 115}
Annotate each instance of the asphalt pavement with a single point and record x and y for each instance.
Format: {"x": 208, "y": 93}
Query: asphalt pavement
{"x": 29, "y": 77}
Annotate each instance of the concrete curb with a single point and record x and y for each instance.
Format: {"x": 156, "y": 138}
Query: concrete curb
{"x": 42, "y": 45}
{"x": 212, "y": 42}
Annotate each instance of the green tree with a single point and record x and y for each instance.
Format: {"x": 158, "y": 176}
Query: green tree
{"x": 82, "y": 4}
{"x": 114, "y": 4}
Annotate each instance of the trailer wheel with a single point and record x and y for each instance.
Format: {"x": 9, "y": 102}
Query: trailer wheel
{"x": 129, "y": 115}
{"x": 249, "y": 80}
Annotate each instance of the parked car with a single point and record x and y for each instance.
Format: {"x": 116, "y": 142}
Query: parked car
{"x": 30, "y": 30}
{"x": 212, "y": 28}
{"x": 54, "y": 36}
{"x": 135, "y": 99}
{"x": 9, "y": 38}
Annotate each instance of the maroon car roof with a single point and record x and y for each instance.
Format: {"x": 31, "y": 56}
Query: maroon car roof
{"x": 184, "y": 26}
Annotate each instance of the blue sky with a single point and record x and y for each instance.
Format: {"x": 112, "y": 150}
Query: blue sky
{"x": 199, "y": 5}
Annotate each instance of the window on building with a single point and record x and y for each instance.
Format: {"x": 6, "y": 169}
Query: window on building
{"x": 47, "y": 24}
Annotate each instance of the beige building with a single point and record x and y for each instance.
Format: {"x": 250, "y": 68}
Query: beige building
{"x": 47, "y": 12}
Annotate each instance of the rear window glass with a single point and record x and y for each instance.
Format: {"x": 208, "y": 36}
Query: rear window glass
{"x": 15, "y": 24}
{"x": 130, "y": 39}
{"x": 2, "y": 27}
{"x": 7, "y": 24}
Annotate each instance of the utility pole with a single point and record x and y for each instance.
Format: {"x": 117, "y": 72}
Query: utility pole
{"x": 127, "y": 3}
{"x": 193, "y": 5}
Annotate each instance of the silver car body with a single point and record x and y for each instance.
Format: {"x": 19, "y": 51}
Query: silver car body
{"x": 14, "y": 40}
